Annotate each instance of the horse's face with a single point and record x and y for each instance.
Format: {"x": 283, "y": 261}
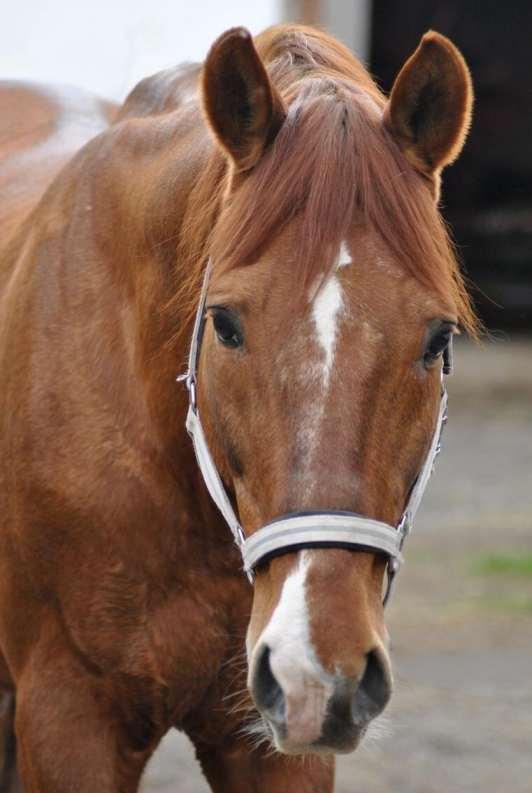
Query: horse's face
{"x": 317, "y": 399}
{"x": 325, "y": 403}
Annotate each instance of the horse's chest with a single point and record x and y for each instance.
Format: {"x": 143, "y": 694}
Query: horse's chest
{"x": 176, "y": 642}
{"x": 187, "y": 643}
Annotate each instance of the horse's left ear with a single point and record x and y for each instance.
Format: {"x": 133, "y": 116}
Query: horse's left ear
{"x": 243, "y": 109}
{"x": 429, "y": 111}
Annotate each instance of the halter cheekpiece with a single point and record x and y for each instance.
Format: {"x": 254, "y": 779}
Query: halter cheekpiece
{"x": 308, "y": 529}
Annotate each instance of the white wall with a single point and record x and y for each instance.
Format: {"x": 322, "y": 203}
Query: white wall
{"x": 108, "y": 45}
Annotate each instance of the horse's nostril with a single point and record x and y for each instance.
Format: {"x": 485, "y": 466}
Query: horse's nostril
{"x": 374, "y": 690}
{"x": 266, "y": 691}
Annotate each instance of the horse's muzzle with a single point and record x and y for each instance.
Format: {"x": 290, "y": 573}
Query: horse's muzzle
{"x": 315, "y": 712}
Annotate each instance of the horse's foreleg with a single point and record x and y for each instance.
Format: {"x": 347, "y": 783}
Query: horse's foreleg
{"x": 68, "y": 738}
{"x": 9, "y": 779}
{"x": 237, "y": 768}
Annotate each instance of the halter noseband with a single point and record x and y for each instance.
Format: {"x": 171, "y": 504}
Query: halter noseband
{"x": 298, "y": 530}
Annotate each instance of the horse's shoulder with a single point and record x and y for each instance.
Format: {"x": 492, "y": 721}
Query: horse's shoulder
{"x": 162, "y": 92}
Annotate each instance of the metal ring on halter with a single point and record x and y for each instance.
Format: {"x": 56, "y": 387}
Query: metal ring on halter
{"x": 308, "y": 529}
{"x": 191, "y": 385}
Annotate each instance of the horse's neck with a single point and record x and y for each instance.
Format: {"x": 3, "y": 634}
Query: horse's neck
{"x": 88, "y": 351}
{"x": 142, "y": 183}
{"x": 141, "y": 191}
{"x": 103, "y": 247}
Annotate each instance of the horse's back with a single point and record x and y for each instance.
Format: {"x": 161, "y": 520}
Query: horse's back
{"x": 41, "y": 128}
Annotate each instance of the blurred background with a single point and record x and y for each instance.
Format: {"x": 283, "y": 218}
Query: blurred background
{"x": 108, "y": 46}
{"x": 461, "y": 620}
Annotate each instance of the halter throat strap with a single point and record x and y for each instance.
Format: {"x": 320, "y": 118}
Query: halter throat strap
{"x": 309, "y": 529}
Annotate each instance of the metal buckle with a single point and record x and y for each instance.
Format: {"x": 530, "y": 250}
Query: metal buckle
{"x": 404, "y": 528}
{"x": 190, "y": 381}
{"x": 240, "y": 540}
{"x": 191, "y": 385}
{"x": 241, "y": 536}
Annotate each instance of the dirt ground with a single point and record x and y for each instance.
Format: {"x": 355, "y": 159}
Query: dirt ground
{"x": 461, "y": 717}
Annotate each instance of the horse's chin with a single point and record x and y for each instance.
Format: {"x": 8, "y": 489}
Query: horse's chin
{"x": 331, "y": 744}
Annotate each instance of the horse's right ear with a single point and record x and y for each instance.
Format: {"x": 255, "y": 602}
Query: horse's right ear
{"x": 243, "y": 109}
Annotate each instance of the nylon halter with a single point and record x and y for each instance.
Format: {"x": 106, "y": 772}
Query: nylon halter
{"x": 323, "y": 528}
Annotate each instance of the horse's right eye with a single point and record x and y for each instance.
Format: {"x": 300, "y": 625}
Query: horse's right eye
{"x": 227, "y": 327}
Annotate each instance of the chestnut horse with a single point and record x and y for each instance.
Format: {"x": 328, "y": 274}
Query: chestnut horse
{"x": 333, "y": 294}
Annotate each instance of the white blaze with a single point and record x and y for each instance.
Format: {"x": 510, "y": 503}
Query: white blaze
{"x": 327, "y": 305}
{"x": 344, "y": 258}
{"x": 327, "y": 310}
{"x": 287, "y": 632}
{"x": 306, "y": 686}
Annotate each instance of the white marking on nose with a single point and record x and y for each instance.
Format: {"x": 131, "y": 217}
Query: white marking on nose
{"x": 288, "y": 626}
{"x": 306, "y": 686}
{"x": 325, "y": 312}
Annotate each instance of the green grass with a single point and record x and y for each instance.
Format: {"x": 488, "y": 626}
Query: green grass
{"x": 505, "y": 563}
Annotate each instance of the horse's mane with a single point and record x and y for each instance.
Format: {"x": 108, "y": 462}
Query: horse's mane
{"x": 332, "y": 158}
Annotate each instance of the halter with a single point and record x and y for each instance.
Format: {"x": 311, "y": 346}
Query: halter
{"x": 330, "y": 528}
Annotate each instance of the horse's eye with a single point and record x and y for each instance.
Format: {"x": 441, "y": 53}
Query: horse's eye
{"x": 227, "y": 327}
{"x": 436, "y": 344}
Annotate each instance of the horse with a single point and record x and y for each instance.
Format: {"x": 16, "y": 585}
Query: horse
{"x": 333, "y": 295}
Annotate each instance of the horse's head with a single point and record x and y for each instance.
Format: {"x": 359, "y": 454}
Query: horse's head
{"x": 333, "y": 294}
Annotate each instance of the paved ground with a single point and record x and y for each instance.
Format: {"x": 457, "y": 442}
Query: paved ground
{"x": 461, "y": 718}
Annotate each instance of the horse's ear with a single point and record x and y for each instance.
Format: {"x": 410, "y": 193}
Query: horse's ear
{"x": 243, "y": 108}
{"x": 429, "y": 111}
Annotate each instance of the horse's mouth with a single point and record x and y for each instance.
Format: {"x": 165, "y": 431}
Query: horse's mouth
{"x": 334, "y": 739}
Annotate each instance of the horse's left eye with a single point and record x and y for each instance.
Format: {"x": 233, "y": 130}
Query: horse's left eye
{"x": 227, "y": 327}
{"x": 437, "y": 344}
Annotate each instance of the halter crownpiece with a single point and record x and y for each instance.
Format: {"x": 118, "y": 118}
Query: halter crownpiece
{"x": 328, "y": 528}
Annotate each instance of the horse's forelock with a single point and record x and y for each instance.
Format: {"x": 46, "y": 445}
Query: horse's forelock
{"x": 333, "y": 163}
